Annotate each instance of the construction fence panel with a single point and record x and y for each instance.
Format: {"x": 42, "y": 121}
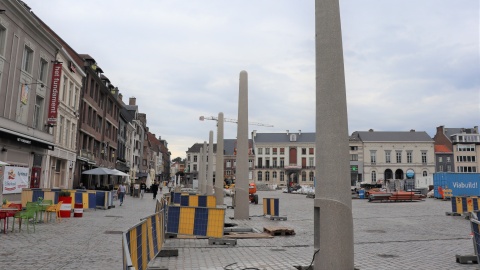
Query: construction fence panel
{"x": 196, "y": 221}
{"x": 271, "y": 206}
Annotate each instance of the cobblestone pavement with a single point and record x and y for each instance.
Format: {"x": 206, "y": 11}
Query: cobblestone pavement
{"x": 387, "y": 236}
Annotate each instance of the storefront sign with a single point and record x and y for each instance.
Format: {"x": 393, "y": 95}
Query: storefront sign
{"x": 54, "y": 94}
{"x": 15, "y": 179}
{"x": 72, "y": 67}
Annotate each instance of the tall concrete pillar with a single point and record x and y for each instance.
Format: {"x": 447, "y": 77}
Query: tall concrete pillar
{"x": 200, "y": 171}
{"x": 210, "y": 165}
{"x": 241, "y": 177}
{"x": 219, "y": 173}
{"x": 333, "y": 222}
{"x": 205, "y": 163}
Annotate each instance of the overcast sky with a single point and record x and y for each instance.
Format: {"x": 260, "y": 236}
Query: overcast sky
{"x": 409, "y": 64}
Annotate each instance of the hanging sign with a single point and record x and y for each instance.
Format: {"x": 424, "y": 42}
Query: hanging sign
{"x": 54, "y": 94}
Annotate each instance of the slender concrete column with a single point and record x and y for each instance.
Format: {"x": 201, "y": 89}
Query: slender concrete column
{"x": 241, "y": 177}
{"x": 219, "y": 166}
{"x": 333, "y": 222}
{"x": 210, "y": 164}
{"x": 205, "y": 163}
{"x": 200, "y": 171}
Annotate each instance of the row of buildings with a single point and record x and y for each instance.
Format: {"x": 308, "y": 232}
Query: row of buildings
{"x": 375, "y": 156}
{"x": 60, "y": 115}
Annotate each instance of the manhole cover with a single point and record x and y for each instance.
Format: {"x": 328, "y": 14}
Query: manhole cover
{"x": 113, "y": 232}
{"x": 387, "y": 255}
{"x": 115, "y": 216}
{"x": 278, "y": 249}
{"x": 375, "y": 231}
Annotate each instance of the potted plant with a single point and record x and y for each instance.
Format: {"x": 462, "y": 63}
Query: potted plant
{"x": 66, "y": 199}
{"x": 4, "y": 203}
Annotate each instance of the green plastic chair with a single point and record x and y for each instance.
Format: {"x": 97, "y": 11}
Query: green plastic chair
{"x": 27, "y": 215}
{"x": 44, "y": 206}
{"x": 35, "y": 207}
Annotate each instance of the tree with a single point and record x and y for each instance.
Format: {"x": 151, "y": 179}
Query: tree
{"x": 177, "y": 159}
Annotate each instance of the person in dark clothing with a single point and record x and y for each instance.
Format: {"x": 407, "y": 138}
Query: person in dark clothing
{"x": 143, "y": 188}
{"x": 154, "y": 189}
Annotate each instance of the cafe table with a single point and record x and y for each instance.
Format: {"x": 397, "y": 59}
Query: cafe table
{"x": 8, "y": 210}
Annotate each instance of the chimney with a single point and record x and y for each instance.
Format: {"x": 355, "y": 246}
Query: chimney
{"x": 120, "y": 96}
{"x": 440, "y": 130}
{"x": 370, "y": 130}
{"x": 475, "y": 129}
{"x": 254, "y": 134}
{"x": 132, "y": 101}
{"x": 299, "y": 132}
{"x": 287, "y": 132}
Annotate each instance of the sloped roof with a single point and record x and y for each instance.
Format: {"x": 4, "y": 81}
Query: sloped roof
{"x": 394, "y": 136}
{"x": 304, "y": 137}
{"x": 442, "y": 149}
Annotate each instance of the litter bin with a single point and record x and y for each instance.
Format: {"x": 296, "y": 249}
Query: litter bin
{"x": 361, "y": 194}
{"x": 78, "y": 210}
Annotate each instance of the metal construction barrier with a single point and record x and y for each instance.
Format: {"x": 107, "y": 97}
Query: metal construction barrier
{"x": 142, "y": 242}
{"x": 462, "y": 204}
{"x": 104, "y": 199}
{"x": 175, "y": 197}
{"x": 198, "y": 200}
{"x": 475, "y": 224}
{"x": 271, "y": 206}
{"x": 85, "y": 197}
{"x": 196, "y": 221}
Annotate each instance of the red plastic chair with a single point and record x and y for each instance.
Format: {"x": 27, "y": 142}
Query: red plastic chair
{"x": 11, "y": 214}
{"x": 3, "y": 215}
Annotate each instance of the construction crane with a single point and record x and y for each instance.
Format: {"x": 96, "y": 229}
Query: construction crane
{"x": 232, "y": 121}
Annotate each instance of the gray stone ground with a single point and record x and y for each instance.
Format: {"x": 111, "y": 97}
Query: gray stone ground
{"x": 387, "y": 236}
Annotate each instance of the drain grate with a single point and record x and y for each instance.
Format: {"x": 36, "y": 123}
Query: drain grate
{"x": 375, "y": 231}
{"x": 115, "y": 216}
{"x": 113, "y": 232}
{"x": 387, "y": 255}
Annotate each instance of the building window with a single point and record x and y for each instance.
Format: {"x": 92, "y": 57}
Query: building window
{"x": 282, "y": 162}
{"x": 293, "y": 137}
{"x": 74, "y": 136}
{"x": 67, "y": 133}
{"x": 64, "y": 89}
{"x": 282, "y": 176}
{"x": 274, "y": 175}
{"x": 387, "y": 156}
{"x": 440, "y": 159}
{"x": 37, "y": 113}
{"x": 399, "y": 156}
{"x": 259, "y": 163}
{"x": 60, "y": 131}
{"x": 304, "y": 151}
{"x": 229, "y": 164}
{"x": 188, "y": 158}
{"x": 466, "y": 169}
{"x": 310, "y": 151}
{"x": 267, "y": 151}
{"x": 466, "y": 147}
{"x": 448, "y": 159}
{"x": 75, "y": 103}
{"x": 353, "y": 148}
{"x": 409, "y": 157}
{"x": 354, "y": 157}
{"x": 424, "y": 157}
{"x": 260, "y": 151}
{"x": 250, "y": 163}
{"x": 274, "y": 151}
{"x": 374, "y": 176}
{"x": 311, "y": 176}
{"x": 274, "y": 162}
{"x": 425, "y": 173}
{"x": 195, "y": 167}
{"x": 3, "y": 39}
{"x": 304, "y": 176}
{"x": 373, "y": 157}
{"x": 282, "y": 151}
{"x": 43, "y": 70}
{"x": 144, "y": 162}
{"x": 194, "y": 158}
{"x": 27, "y": 59}
{"x": 440, "y": 168}
{"x": 310, "y": 162}
{"x": 267, "y": 176}
{"x": 70, "y": 95}
{"x": 259, "y": 177}
{"x": 449, "y": 168}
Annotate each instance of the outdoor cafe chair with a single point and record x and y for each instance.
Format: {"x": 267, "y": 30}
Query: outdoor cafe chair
{"x": 43, "y": 205}
{"x": 27, "y": 215}
{"x": 54, "y": 208}
{"x": 3, "y": 215}
{"x": 11, "y": 214}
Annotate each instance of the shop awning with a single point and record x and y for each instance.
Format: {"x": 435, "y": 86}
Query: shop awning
{"x": 25, "y": 139}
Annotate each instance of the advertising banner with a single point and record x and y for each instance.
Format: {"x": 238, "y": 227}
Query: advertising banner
{"x": 15, "y": 179}
{"x": 54, "y": 94}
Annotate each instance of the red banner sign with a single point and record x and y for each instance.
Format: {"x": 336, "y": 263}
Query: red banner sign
{"x": 54, "y": 94}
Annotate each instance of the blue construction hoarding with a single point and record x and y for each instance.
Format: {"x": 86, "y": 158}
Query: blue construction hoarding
{"x": 461, "y": 184}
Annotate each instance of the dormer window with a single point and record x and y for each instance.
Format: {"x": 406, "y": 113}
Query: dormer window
{"x": 293, "y": 137}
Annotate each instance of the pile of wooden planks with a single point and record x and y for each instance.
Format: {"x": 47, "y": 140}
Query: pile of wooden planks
{"x": 275, "y": 231}
{"x": 397, "y": 196}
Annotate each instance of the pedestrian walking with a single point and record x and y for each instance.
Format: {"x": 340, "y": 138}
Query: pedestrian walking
{"x": 143, "y": 188}
{"x": 154, "y": 189}
{"x": 122, "y": 189}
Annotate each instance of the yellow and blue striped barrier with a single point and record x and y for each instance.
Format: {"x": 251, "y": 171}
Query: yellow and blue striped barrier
{"x": 143, "y": 242}
{"x": 475, "y": 224}
{"x": 196, "y": 221}
{"x": 271, "y": 206}
{"x": 198, "y": 200}
{"x": 86, "y": 197}
{"x": 176, "y": 197}
{"x": 462, "y": 204}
